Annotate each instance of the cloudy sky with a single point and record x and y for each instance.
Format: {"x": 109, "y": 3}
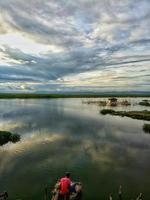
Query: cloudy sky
{"x": 74, "y": 45}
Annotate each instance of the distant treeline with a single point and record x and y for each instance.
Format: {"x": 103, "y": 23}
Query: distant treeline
{"x": 70, "y": 95}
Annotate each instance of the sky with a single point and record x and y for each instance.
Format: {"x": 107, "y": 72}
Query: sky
{"x": 51, "y": 46}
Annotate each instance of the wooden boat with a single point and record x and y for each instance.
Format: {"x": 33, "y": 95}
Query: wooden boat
{"x": 3, "y": 196}
{"x": 75, "y": 191}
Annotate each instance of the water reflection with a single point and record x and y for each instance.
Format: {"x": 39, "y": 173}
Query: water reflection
{"x": 65, "y": 135}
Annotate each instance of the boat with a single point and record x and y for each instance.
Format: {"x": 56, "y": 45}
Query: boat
{"x": 75, "y": 191}
{"x": 3, "y": 195}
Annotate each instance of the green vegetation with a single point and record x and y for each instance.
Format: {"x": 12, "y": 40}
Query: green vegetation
{"x": 6, "y": 137}
{"x": 146, "y": 128}
{"x": 107, "y": 111}
{"x": 100, "y": 103}
{"x": 142, "y": 115}
{"x": 144, "y": 103}
{"x": 70, "y": 95}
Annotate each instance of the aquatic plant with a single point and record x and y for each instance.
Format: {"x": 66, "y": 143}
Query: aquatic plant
{"x": 141, "y": 115}
{"x": 107, "y": 111}
{"x": 125, "y": 103}
{"x": 6, "y": 137}
{"x": 146, "y": 128}
{"x": 15, "y": 138}
{"x": 144, "y": 103}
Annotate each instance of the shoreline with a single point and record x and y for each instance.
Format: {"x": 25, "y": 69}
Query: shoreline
{"x": 54, "y": 96}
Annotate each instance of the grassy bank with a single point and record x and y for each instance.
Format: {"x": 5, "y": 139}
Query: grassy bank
{"x": 142, "y": 115}
{"x": 69, "y": 95}
{"x": 6, "y": 137}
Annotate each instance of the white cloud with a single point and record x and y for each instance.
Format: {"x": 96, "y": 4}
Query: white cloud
{"x": 75, "y": 44}
{"x": 26, "y": 45}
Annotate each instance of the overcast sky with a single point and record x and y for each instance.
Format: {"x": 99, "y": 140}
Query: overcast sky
{"x": 74, "y": 45}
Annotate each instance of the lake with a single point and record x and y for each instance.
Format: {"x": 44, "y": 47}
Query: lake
{"x": 59, "y": 135}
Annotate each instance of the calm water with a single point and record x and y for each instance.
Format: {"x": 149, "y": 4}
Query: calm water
{"x": 61, "y": 135}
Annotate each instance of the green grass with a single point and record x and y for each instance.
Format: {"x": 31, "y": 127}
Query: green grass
{"x": 141, "y": 115}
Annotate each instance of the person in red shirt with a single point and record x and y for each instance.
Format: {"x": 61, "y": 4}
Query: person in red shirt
{"x": 65, "y": 184}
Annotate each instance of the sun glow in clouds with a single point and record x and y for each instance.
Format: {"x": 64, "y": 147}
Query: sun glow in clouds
{"x": 26, "y": 45}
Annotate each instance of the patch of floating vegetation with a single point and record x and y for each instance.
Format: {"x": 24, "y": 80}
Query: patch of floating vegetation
{"x": 6, "y": 137}
{"x": 107, "y": 111}
{"x": 141, "y": 115}
{"x": 145, "y": 103}
{"x": 110, "y": 102}
{"x": 146, "y": 128}
{"x": 100, "y": 103}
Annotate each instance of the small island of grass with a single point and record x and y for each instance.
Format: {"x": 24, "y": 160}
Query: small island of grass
{"x": 146, "y": 128}
{"x": 141, "y": 115}
{"x": 144, "y": 103}
{"x": 6, "y": 137}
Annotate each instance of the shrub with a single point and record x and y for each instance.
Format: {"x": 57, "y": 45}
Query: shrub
{"x": 15, "y": 138}
{"x": 6, "y": 137}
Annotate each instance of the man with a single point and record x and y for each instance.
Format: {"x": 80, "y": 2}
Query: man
{"x": 65, "y": 184}
{"x": 76, "y": 191}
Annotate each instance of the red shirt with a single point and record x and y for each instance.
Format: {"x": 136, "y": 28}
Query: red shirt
{"x": 65, "y": 185}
